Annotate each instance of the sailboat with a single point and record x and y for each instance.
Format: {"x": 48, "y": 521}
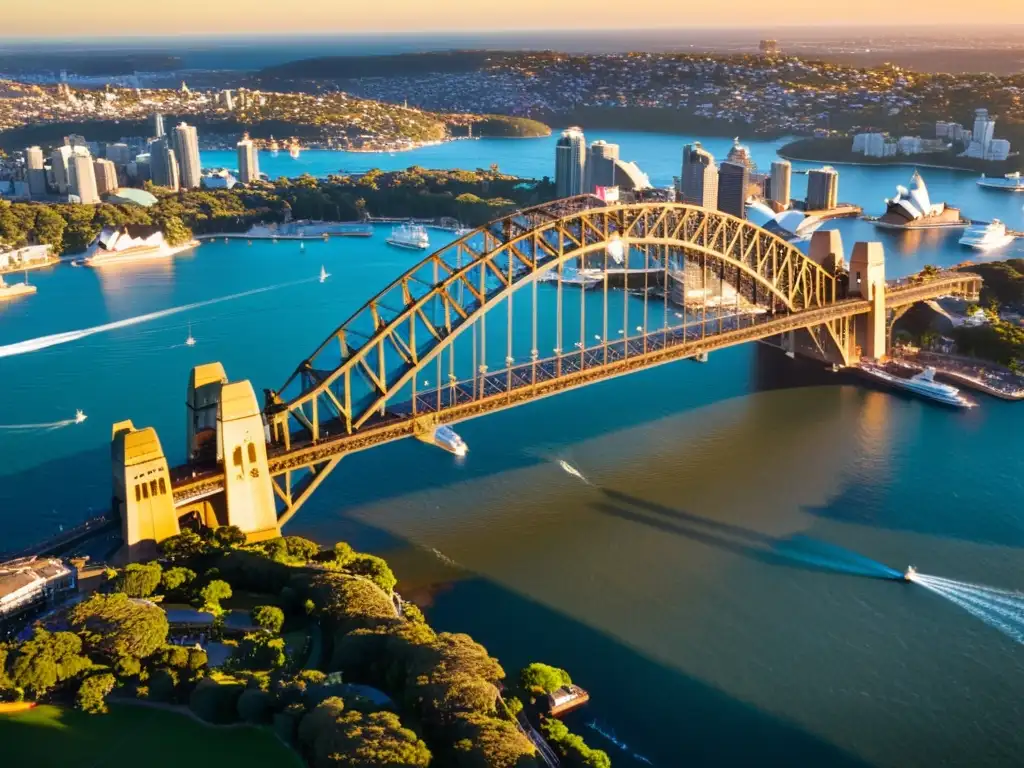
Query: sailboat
{"x": 190, "y": 341}
{"x": 323, "y": 274}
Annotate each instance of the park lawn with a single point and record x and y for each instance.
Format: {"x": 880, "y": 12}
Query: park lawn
{"x": 131, "y": 736}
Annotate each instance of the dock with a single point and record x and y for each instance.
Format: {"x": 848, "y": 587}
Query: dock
{"x": 566, "y": 699}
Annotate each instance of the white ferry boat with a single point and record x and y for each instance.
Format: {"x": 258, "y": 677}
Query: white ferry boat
{"x": 987, "y": 237}
{"x": 922, "y": 384}
{"x": 409, "y": 236}
{"x": 1011, "y": 182}
{"x": 446, "y": 437}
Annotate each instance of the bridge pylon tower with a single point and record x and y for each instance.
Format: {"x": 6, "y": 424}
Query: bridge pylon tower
{"x": 867, "y": 281}
{"x": 143, "y": 497}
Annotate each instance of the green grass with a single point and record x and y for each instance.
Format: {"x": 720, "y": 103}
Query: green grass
{"x": 132, "y": 736}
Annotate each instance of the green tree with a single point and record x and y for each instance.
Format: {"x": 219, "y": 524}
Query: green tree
{"x": 49, "y": 227}
{"x": 487, "y": 742}
{"x": 213, "y": 593}
{"x": 116, "y": 626}
{"x": 176, "y": 580}
{"x": 260, "y": 651}
{"x": 255, "y": 706}
{"x": 227, "y": 537}
{"x": 139, "y": 579}
{"x": 543, "y": 678}
{"x": 46, "y": 659}
{"x": 183, "y": 546}
{"x": 374, "y": 568}
{"x": 269, "y": 617}
{"x": 92, "y": 693}
{"x": 571, "y": 747}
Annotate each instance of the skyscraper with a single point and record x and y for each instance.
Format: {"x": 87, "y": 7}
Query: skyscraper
{"x": 158, "y": 125}
{"x": 600, "y": 165}
{"x": 186, "y": 149}
{"x": 35, "y": 175}
{"x": 248, "y": 161}
{"x": 163, "y": 165}
{"x": 570, "y": 163}
{"x": 119, "y": 153}
{"x": 82, "y": 179}
{"x": 822, "y": 188}
{"x": 782, "y": 174}
{"x": 733, "y": 180}
{"x": 106, "y": 176}
{"x": 59, "y": 165}
{"x": 698, "y": 182}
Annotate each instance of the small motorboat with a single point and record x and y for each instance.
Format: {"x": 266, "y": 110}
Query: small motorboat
{"x": 190, "y": 341}
{"x": 324, "y": 274}
{"x": 910, "y": 574}
{"x": 80, "y": 416}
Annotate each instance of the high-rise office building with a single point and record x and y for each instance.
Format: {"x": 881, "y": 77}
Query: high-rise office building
{"x": 163, "y": 164}
{"x": 76, "y": 140}
{"x": 35, "y": 174}
{"x": 186, "y": 149}
{"x": 698, "y": 182}
{"x": 158, "y": 125}
{"x": 570, "y": 163}
{"x": 600, "y": 165}
{"x": 82, "y": 178}
{"x": 248, "y": 161}
{"x": 59, "y": 166}
{"x": 781, "y": 181}
{"x": 822, "y": 188}
{"x": 984, "y": 128}
{"x": 119, "y": 153}
{"x": 733, "y": 183}
{"x": 227, "y": 100}
{"x": 106, "y": 176}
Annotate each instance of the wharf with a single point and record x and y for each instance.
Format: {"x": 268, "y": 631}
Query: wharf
{"x": 842, "y": 211}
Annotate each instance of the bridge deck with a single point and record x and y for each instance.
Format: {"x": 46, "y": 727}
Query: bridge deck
{"x": 524, "y": 382}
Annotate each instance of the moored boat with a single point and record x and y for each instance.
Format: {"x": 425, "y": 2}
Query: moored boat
{"x": 410, "y": 236}
{"x": 987, "y": 237}
{"x": 922, "y": 384}
{"x": 1011, "y": 182}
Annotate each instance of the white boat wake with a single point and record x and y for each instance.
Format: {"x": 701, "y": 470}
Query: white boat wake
{"x": 48, "y": 426}
{"x": 570, "y": 469}
{"x": 1002, "y": 609}
{"x": 42, "y": 342}
{"x": 610, "y": 736}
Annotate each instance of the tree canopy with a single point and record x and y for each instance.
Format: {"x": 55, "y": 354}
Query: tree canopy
{"x": 116, "y": 625}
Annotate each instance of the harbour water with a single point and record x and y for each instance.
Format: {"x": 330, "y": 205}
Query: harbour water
{"x": 714, "y": 586}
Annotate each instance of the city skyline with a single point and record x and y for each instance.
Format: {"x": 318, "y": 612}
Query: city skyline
{"x": 54, "y": 19}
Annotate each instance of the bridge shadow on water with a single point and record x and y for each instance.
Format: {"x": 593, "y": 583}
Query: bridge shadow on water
{"x": 662, "y": 713}
{"x": 796, "y": 551}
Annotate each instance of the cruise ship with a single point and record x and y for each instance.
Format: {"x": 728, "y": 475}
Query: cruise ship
{"x": 409, "y": 236}
{"x": 913, "y": 209}
{"x": 987, "y": 237}
{"x": 1011, "y": 182}
{"x": 922, "y": 384}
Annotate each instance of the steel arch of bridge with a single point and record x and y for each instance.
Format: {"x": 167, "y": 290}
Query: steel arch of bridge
{"x": 407, "y": 325}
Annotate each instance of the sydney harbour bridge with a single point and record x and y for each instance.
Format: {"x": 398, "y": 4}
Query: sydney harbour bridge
{"x": 498, "y": 318}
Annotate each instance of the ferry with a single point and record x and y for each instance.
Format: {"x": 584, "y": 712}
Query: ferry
{"x": 446, "y": 437}
{"x": 410, "y": 236}
{"x": 1011, "y": 182}
{"x": 987, "y": 237}
{"x": 585, "y": 278}
{"x": 14, "y": 290}
{"x": 922, "y": 384}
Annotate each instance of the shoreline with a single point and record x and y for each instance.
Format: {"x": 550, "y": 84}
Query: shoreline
{"x": 900, "y": 164}
{"x": 52, "y": 262}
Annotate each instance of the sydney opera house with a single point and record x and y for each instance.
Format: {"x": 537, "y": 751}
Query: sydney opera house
{"x": 913, "y": 209}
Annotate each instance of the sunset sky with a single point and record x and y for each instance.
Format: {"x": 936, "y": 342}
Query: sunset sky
{"x": 118, "y": 18}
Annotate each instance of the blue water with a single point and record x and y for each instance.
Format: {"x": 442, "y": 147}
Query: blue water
{"x": 721, "y": 585}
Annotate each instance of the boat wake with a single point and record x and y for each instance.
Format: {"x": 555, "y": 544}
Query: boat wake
{"x": 571, "y": 470}
{"x": 42, "y": 342}
{"x": 1001, "y": 609}
{"x": 610, "y": 736}
{"x": 48, "y": 426}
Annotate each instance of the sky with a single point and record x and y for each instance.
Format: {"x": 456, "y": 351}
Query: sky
{"x": 120, "y": 18}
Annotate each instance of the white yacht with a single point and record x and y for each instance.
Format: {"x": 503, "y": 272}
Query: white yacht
{"x": 1011, "y": 182}
{"x": 923, "y": 384}
{"x": 446, "y": 437}
{"x": 409, "y": 236}
{"x": 80, "y": 416}
{"x": 987, "y": 237}
{"x": 190, "y": 341}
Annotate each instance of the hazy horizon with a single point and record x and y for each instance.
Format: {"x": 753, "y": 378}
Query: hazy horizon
{"x": 117, "y": 20}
